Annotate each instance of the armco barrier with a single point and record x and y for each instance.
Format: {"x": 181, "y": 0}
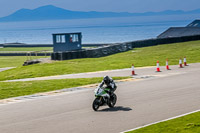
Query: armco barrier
{"x": 24, "y": 54}
{"x": 46, "y": 45}
{"x": 120, "y": 47}
{"x": 27, "y": 45}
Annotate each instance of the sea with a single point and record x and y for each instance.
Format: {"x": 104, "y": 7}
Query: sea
{"x": 98, "y": 30}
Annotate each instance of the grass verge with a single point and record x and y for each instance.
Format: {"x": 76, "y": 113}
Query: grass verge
{"x": 14, "y": 61}
{"x": 146, "y": 56}
{"x": 186, "y": 124}
{"x": 15, "y": 89}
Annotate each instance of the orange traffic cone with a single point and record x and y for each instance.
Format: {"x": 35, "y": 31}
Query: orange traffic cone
{"x": 185, "y": 62}
{"x": 158, "y": 68}
{"x": 167, "y": 65}
{"x": 180, "y": 63}
{"x": 133, "y": 71}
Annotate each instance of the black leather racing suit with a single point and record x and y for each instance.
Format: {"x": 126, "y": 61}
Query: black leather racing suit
{"x": 109, "y": 84}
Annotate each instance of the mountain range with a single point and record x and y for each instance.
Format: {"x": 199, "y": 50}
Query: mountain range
{"x": 51, "y": 12}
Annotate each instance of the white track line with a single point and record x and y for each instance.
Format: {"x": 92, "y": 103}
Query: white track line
{"x": 161, "y": 121}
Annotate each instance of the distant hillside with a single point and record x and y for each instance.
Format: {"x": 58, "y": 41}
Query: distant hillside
{"x": 50, "y": 12}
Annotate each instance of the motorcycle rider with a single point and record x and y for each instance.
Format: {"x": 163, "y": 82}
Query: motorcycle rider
{"x": 108, "y": 81}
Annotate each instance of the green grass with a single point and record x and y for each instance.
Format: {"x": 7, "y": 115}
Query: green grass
{"x": 15, "y": 89}
{"x": 185, "y": 124}
{"x": 139, "y": 57}
{"x": 14, "y": 61}
{"x": 26, "y": 49}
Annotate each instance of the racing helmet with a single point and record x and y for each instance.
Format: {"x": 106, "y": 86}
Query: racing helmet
{"x": 106, "y": 79}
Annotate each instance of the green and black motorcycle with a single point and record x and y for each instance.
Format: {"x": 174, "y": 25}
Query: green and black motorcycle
{"x": 103, "y": 98}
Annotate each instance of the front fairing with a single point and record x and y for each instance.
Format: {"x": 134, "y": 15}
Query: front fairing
{"x": 100, "y": 92}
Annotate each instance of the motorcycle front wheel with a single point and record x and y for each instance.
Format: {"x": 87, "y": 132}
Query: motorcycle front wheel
{"x": 96, "y": 104}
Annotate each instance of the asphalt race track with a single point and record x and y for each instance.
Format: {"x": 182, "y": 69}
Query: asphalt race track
{"x": 149, "y": 98}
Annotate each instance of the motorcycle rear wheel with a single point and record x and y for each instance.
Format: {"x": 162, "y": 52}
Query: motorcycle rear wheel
{"x": 113, "y": 100}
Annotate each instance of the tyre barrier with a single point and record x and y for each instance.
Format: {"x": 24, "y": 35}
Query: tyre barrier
{"x": 91, "y": 53}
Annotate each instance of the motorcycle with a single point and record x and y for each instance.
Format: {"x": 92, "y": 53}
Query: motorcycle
{"x": 103, "y": 98}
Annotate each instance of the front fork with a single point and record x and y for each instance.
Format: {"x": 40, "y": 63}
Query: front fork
{"x": 103, "y": 100}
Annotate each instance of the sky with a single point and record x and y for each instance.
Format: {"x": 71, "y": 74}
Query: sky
{"x": 8, "y": 7}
